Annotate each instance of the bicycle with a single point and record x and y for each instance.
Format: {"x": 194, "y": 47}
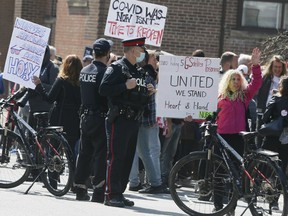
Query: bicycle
{"x": 43, "y": 152}
{"x": 201, "y": 179}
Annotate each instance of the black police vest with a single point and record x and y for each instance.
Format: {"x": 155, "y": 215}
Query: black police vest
{"x": 89, "y": 84}
{"x": 137, "y": 97}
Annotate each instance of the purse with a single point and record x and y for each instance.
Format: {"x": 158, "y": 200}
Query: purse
{"x": 273, "y": 128}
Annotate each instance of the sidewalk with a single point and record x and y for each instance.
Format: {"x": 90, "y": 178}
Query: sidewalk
{"x": 39, "y": 202}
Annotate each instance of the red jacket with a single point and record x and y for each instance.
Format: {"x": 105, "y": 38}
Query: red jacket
{"x": 231, "y": 118}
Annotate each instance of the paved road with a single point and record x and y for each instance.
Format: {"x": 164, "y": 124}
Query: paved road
{"x": 39, "y": 202}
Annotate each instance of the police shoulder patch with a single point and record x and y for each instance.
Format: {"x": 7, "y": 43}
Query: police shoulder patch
{"x": 109, "y": 70}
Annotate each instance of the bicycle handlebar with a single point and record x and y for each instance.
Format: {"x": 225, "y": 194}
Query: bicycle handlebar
{"x": 8, "y": 102}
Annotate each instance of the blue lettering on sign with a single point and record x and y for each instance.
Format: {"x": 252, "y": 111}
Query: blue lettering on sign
{"x": 23, "y": 70}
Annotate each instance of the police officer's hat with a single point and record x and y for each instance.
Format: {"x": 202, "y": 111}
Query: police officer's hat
{"x": 102, "y": 45}
{"x": 134, "y": 42}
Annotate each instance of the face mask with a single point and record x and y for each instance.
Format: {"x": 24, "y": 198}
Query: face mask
{"x": 140, "y": 58}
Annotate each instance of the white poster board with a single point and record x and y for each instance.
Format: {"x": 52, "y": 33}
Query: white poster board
{"x": 187, "y": 86}
{"x": 25, "y": 53}
{"x": 131, "y": 18}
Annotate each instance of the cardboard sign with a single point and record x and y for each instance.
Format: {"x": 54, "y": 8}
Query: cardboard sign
{"x": 26, "y": 51}
{"x": 130, "y": 19}
{"x": 187, "y": 86}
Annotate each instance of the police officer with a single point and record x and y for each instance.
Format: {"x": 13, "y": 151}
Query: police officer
{"x": 124, "y": 85}
{"x": 93, "y": 135}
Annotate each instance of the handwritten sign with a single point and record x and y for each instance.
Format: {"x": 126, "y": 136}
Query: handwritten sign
{"x": 187, "y": 86}
{"x": 26, "y": 52}
{"x": 131, "y": 18}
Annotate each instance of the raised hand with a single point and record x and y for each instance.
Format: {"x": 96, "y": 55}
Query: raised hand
{"x": 256, "y": 54}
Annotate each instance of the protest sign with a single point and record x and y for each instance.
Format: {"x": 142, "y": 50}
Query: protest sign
{"x": 187, "y": 86}
{"x": 25, "y": 53}
{"x": 131, "y": 18}
{"x": 88, "y": 51}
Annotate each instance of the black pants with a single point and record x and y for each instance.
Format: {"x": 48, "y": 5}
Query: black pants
{"x": 93, "y": 149}
{"x": 237, "y": 143}
{"x": 121, "y": 144}
{"x": 272, "y": 143}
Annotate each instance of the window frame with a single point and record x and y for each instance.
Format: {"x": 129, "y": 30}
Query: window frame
{"x": 262, "y": 29}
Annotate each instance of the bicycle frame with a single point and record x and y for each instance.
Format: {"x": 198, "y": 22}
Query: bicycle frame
{"x": 224, "y": 148}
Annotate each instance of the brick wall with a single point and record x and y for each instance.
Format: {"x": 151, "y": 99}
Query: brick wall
{"x": 190, "y": 25}
{"x": 6, "y": 26}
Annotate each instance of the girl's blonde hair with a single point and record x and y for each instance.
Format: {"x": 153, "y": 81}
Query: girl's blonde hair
{"x": 224, "y": 91}
{"x": 70, "y": 69}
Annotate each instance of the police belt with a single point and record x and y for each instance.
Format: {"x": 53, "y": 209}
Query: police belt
{"x": 94, "y": 112}
{"x": 130, "y": 113}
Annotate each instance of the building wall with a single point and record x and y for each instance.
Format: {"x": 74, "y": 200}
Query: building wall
{"x": 190, "y": 25}
{"x": 6, "y": 19}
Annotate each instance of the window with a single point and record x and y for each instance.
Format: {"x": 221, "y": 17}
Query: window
{"x": 265, "y": 14}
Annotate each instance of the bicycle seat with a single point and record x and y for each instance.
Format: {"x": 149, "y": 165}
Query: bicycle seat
{"x": 40, "y": 114}
{"x": 248, "y": 135}
{"x": 267, "y": 152}
{"x": 55, "y": 128}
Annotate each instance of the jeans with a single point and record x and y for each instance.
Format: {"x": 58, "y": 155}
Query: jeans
{"x": 168, "y": 151}
{"x": 148, "y": 149}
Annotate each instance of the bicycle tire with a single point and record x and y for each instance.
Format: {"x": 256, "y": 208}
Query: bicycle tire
{"x": 193, "y": 194}
{"x": 59, "y": 170}
{"x": 270, "y": 186}
{"x": 14, "y": 168}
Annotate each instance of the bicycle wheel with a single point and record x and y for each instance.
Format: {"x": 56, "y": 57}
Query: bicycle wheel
{"x": 268, "y": 187}
{"x": 59, "y": 170}
{"x": 195, "y": 194}
{"x": 14, "y": 160}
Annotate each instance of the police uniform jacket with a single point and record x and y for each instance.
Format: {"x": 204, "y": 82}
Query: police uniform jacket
{"x": 90, "y": 80}
{"x": 113, "y": 85}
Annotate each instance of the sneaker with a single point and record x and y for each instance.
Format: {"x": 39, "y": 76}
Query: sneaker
{"x": 204, "y": 194}
{"x": 274, "y": 206}
{"x": 136, "y": 188}
{"x": 154, "y": 190}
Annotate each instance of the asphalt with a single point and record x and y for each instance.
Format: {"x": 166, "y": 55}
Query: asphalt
{"x": 39, "y": 202}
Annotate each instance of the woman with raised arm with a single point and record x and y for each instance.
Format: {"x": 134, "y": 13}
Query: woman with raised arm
{"x": 234, "y": 97}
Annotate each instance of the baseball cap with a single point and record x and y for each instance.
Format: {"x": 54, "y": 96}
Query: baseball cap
{"x": 87, "y": 58}
{"x": 102, "y": 45}
{"x": 243, "y": 68}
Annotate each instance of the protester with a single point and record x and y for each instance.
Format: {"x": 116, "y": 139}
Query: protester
{"x": 53, "y": 53}
{"x": 274, "y": 70}
{"x": 278, "y": 106}
{"x": 234, "y": 97}
{"x": 65, "y": 92}
{"x": 87, "y": 59}
{"x": 48, "y": 74}
{"x": 229, "y": 60}
{"x": 93, "y": 136}
{"x": 148, "y": 143}
{"x": 124, "y": 85}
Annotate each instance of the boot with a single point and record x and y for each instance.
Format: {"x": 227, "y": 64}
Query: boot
{"x": 82, "y": 194}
